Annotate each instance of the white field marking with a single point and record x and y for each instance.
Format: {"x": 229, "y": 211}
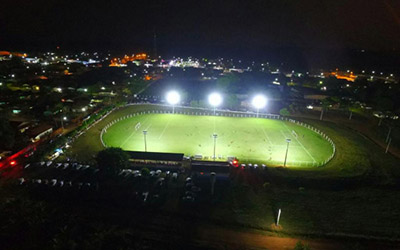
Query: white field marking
{"x": 293, "y": 143}
{"x": 134, "y": 132}
{"x": 166, "y": 125}
{"x": 284, "y": 145}
{"x": 275, "y": 161}
{"x": 149, "y": 126}
{"x": 301, "y": 144}
{"x": 214, "y": 124}
{"x": 266, "y": 135}
{"x": 284, "y": 135}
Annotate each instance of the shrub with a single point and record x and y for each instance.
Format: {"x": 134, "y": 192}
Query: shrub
{"x": 301, "y": 246}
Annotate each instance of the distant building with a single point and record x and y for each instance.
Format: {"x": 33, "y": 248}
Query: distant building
{"x": 40, "y": 132}
{"x": 315, "y": 97}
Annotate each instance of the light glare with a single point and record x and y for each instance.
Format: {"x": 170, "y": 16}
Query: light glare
{"x": 259, "y": 101}
{"x": 173, "y": 97}
{"x": 215, "y": 99}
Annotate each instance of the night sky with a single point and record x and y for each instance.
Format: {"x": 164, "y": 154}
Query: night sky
{"x": 201, "y": 26}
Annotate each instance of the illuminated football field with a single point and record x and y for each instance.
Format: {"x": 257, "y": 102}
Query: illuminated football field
{"x": 251, "y": 140}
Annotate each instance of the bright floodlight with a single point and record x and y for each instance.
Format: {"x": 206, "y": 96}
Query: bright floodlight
{"x": 215, "y": 99}
{"x": 259, "y": 101}
{"x": 173, "y": 97}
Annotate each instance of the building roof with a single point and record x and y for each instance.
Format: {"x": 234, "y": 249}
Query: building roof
{"x": 39, "y": 129}
{"x": 140, "y": 155}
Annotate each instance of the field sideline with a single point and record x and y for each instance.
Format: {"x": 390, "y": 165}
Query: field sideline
{"x": 252, "y": 140}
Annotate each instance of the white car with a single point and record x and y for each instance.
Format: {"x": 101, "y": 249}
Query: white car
{"x": 21, "y": 181}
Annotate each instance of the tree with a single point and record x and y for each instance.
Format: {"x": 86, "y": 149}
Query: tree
{"x": 232, "y": 102}
{"x": 111, "y": 160}
{"x": 145, "y": 172}
{"x": 383, "y": 103}
{"x": 225, "y": 82}
{"x": 7, "y": 134}
{"x": 284, "y": 112}
{"x": 194, "y": 104}
{"x": 301, "y": 246}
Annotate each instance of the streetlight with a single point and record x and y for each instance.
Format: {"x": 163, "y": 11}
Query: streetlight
{"x": 145, "y": 141}
{"x": 62, "y": 121}
{"x": 173, "y": 98}
{"x": 287, "y": 150}
{"x": 215, "y": 100}
{"x": 215, "y": 142}
{"x": 259, "y": 102}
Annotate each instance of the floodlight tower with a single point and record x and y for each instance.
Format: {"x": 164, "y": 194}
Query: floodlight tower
{"x": 145, "y": 140}
{"x": 287, "y": 149}
{"x": 173, "y": 98}
{"x": 215, "y": 143}
{"x": 259, "y": 102}
{"x": 215, "y": 100}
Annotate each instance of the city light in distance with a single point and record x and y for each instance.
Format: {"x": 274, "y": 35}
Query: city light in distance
{"x": 215, "y": 99}
{"x": 173, "y": 97}
{"x": 259, "y": 101}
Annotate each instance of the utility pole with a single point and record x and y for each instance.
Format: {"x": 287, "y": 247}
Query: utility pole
{"x": 215, "y": 143}
{"x": 387, "y": 147}
{"x": 380, "y": 122}
{"x": 287, "y": 150}
{"x": 278, "y": 217}
{"x": 387, "y": 137}
{"x": 212, "y": 179}
{"x": 64, "y": 118}
{"x": 145, "y": 140}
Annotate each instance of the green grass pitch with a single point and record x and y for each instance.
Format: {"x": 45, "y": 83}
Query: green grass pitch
{"x": 251, "y": 140}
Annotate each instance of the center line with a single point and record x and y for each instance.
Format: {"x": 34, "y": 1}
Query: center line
{"x": 166, "y": 125}
{"x": 265, "y": 133}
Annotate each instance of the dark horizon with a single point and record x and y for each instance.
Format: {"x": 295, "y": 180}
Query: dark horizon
{"x": 229, "y": 26}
